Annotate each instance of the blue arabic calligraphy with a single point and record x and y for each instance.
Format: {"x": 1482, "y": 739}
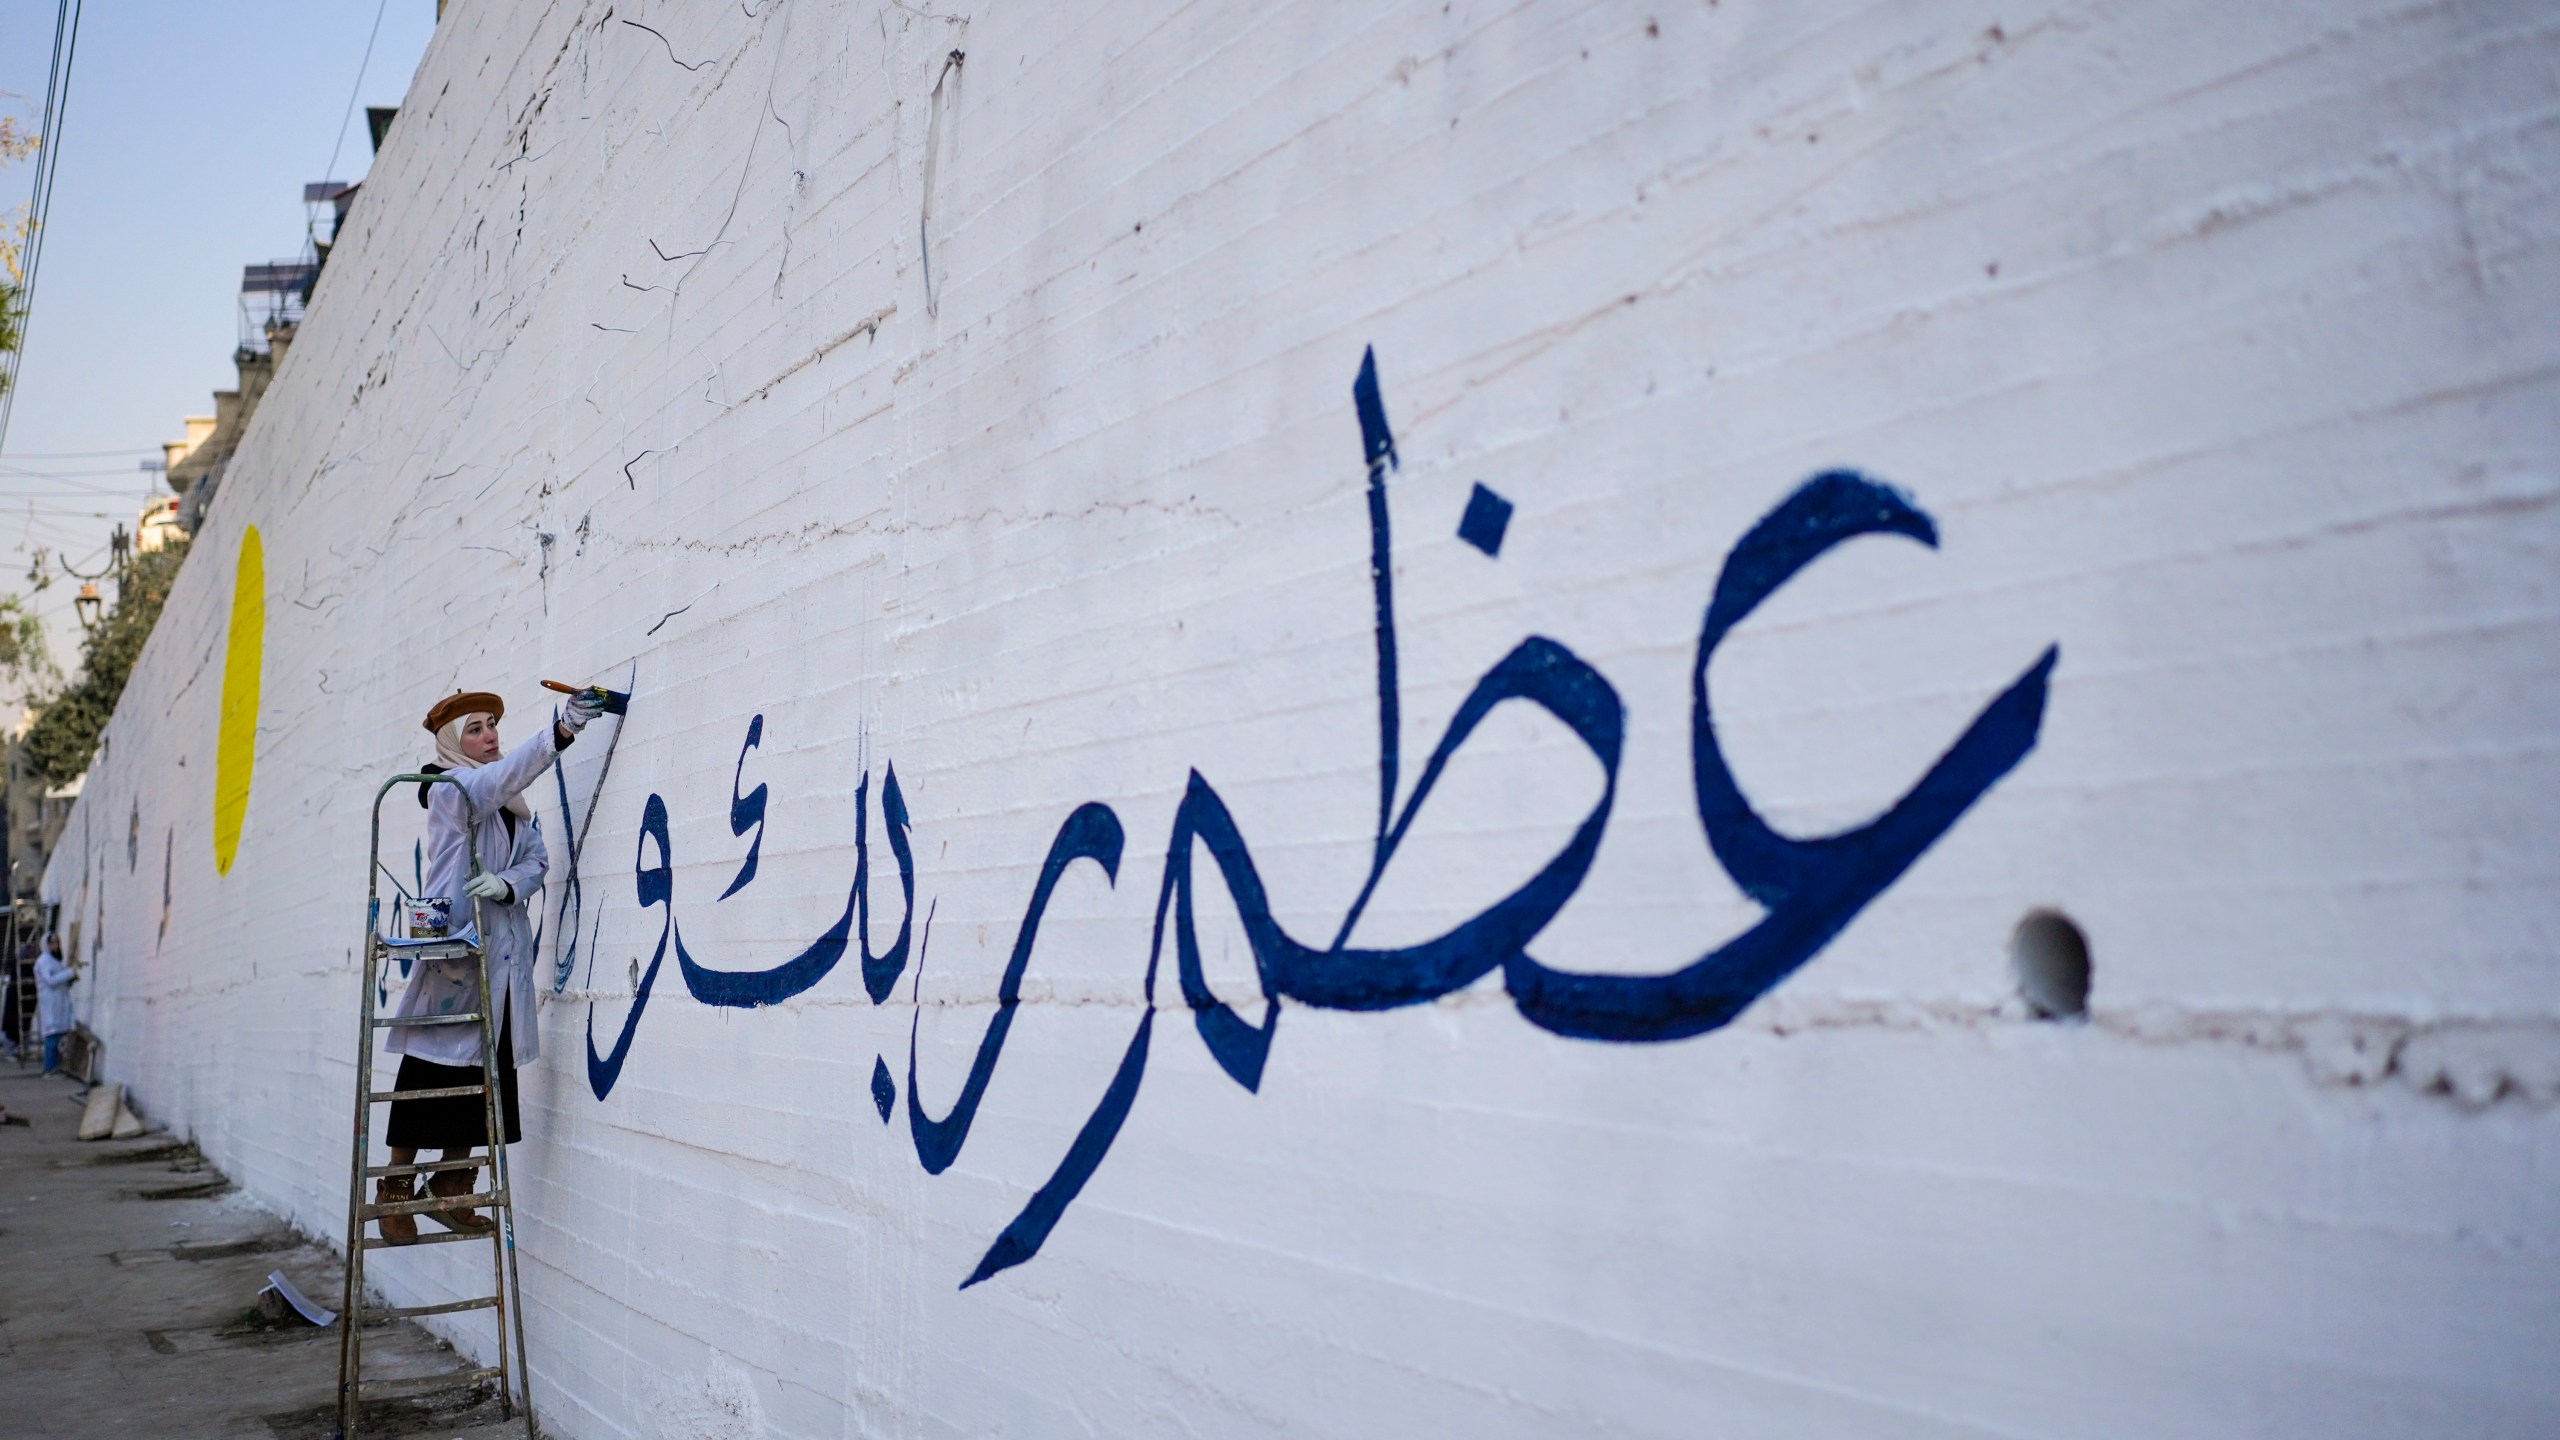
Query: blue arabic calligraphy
{"x": 1809, "y": 888}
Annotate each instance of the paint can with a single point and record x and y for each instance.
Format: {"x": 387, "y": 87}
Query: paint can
{"x": 430, "y": 918}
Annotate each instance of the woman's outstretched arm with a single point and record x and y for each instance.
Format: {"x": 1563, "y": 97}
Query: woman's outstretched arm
{"x": 495, "y": 784}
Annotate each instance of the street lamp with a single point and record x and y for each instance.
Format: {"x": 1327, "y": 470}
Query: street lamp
{"x": 90, "y": 607}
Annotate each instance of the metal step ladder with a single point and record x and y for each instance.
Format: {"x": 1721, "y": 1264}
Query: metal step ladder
{"x": 506, "y": 1295}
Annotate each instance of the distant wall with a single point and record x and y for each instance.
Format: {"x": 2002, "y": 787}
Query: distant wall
{"x": 973, "y": 401}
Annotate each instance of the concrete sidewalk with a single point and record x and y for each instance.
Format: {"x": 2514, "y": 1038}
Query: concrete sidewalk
{"x": 129, "y": 1272}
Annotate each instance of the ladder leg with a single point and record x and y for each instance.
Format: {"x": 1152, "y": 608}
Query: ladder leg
{"x": 496, "y": 1133}
{"x": 514, "y": 1370}
{"x": 350, "y": 1319}
{"x": 511, "y": 1285}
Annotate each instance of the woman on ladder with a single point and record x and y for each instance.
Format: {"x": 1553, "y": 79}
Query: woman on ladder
{"x": 486, "y": 810}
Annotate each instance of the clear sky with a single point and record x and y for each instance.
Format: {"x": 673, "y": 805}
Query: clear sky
{"x": 191, "y": 130}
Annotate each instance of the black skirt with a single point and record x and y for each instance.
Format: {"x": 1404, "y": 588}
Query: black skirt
{"x": 453, "y": 1122}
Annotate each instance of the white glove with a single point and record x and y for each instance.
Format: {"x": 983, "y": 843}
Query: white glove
{"x": 484, "y": 886}
{"x": 582, "y": 707}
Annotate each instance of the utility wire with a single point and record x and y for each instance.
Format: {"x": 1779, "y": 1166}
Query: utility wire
{"x": 29, "y": 472}
{"x": 331, "y": 172}
{"x": 80, "y": 479}
{"x": 57, "y": 108}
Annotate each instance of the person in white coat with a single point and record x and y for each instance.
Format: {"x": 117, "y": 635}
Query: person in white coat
{"x": 54, "y": 979}
{"x": 485, "y": 814}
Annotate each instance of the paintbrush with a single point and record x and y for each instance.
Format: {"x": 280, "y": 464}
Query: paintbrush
{"x": 616, "y": 702}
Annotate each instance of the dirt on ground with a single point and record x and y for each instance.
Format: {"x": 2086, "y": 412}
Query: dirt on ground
{"x": 129, "y": 1280}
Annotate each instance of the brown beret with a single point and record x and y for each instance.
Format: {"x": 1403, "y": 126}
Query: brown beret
{"x": 465, "y": 702}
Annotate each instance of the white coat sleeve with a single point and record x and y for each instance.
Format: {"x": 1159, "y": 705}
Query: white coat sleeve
{"x": 525, "y": 878}
{"x": 447, "y": 850}
{"x": 491, "y": 786}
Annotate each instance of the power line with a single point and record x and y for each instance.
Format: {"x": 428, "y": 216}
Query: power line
{"x": 57, "y": 109}
{"x": 78, "y": 454}
{"x": 13, "y": 499}
{"x": 82, "y": 479}
{"x": 73, "y": 478}
{"x": 331, "y": 173}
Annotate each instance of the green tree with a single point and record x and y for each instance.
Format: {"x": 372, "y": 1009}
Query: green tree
{"x": 24, "y": 664}
{"x": 65, "y": 735}
{"x": 19, "y": 226}
{"x": 23, "y": 658}
{"x": 26, "y": 669}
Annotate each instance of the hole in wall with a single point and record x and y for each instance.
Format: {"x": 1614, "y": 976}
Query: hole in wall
{"x": 2050, "y": 958}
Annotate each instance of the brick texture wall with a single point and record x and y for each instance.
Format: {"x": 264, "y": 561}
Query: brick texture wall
{"x": 972, "y": 395}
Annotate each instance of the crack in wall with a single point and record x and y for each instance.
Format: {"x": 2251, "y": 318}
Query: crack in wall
{"x": 2472, "y": 1061}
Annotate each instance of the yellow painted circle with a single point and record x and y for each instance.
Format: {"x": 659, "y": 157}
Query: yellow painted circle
{"x": 237, "y": 748}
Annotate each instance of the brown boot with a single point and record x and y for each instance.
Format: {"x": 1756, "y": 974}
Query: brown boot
{"x": 392, "y": 1190}
{"x": 448, "y": 1184}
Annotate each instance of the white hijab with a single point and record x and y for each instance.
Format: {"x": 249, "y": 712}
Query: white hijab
{"x": 449, "y": 750}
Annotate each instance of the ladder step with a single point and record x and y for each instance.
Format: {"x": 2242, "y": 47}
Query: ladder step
{"x": 434, "y": 1204}
{"x": 385, "y": 1022}
{"x": 404, "y": 1312}
{"x": 426, "y": 1384}
{"x": 376, "y": 1172}
{"x": 438, "y": 1093}
{"x": 445, "y": 1237}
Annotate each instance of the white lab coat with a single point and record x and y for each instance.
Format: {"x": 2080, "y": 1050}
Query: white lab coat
{"x": 507, "y": 939}
{"x": 53, "y": 995}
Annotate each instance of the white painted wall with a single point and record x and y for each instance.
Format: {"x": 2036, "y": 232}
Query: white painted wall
{"x": 996, "y": 422}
